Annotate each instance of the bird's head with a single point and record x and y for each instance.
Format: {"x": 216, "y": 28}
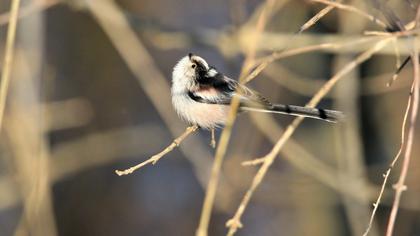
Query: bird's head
{"x": 188, "y": 70}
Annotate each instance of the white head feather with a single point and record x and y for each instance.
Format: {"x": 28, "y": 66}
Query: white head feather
{"x": 184, "y": 75}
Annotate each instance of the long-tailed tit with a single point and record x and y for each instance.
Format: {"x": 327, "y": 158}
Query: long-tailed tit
{"x": 201, "y": 96}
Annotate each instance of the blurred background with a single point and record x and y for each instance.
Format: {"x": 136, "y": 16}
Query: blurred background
{"x": 89, "y": 94}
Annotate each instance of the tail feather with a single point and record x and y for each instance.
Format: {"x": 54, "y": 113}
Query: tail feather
{"x": 315, "y": 113}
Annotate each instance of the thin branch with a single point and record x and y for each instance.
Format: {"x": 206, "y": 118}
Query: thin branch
{"x": 266, "y": 61}
{"x": 8, "y": 57}
{"x": 316, "y": 18}
{"x": 397, "y": 64}
{"x": 272, "y": 57}
{"x": 202, "y": 229}
{"x": 261, "y": 160}
{"x": 387, "y": 173}
{"x": 235, "y": 222}
{"x": 253, "y": 162}
{"x": 33, "y": 7}
{"x": 354, "y": 10}
{"x": 403, "y": 127}
{"x": 398, "y": 71}
{"x": 303, "y": 160}
{"x": 152, "y": 160}
{"x": 213, "y": 138}
{"x": 400, "y": 185}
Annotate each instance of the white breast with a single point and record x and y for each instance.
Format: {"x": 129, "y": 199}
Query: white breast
{"x": 206, "y": 116}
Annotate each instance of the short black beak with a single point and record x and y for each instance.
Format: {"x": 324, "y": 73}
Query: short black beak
{"x": 190, "y": 55}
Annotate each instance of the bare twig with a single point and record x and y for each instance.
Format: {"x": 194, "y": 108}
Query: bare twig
{"x": 354, "y": 10}
{"x": 291, "y": 52}
{"x": 388, "y": 172}
{"x": 316, "y": 18}
{"x": 34, "y": 6}
{"x": 400, "y": 185}
{"x": 402, "y": 142}
{"x": 25, "y": 131}
{"x": 398, "y": 71}
{"x": 397, "y": 64}
{"x": 235, "y": 222}
{"x": 225, "y": 136}
{"x": 265, "y": 61}
{"x": 152, "y": 160}
{"x": 8, "y": 57}
{"x": 213, "y": 139}
{"x": 348, "y": 146}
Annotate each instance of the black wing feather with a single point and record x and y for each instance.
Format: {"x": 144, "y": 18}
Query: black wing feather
{"x": 227, "y": 88}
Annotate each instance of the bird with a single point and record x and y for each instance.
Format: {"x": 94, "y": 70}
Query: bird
{"x": 201, "y": 95}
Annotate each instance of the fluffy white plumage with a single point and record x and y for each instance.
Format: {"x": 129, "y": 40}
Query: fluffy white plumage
{"x": 183, "y": 81}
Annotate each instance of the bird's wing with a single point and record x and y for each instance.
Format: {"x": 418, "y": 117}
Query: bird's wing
{"x": 220, "y": 89}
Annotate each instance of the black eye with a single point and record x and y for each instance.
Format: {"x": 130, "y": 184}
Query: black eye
{"x": 193, "y": 66}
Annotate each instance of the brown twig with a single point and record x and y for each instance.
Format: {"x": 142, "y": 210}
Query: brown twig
{"x": 400, "y": 186}
{"x": 213, "y": 138}
{"x": 402, "y": 142}
{"x": 292, "y": 52}
{"x": 235, "y": 222}
{"x": 397, "y": 64}
{"x": 265, "y": 61}
{"x": 225, "y": 136}
{"x": 391, "y": 166}
{"x": 8, "y": 57}
{"x": 34, "y": 6}
{"x": 304, "y": 27}
{"x": 354, "y": 10}
{"x": 221, "y": 150}
{"x": 316, "y": 18}
{"x": 152, "y": 160}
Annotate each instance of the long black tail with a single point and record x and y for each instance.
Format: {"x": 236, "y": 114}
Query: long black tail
{"x": 315, "y": 113}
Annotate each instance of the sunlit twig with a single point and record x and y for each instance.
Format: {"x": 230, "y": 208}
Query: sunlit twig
{"x": 34, "y": 6}
{"x": 213, "y": 138}
{"x": 235, "y": 222}
{"x": 316, "y": 18}
{"x": 152, "y": 160}
{"x": 8, "y": 57}
{"x": 400, "y": 186}
{"x": 352, "y": 9}
{"x": 202, "y": 229}
{"x": 388, "y": 172}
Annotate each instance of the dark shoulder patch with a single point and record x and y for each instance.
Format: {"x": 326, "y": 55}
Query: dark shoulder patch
{"x": 195, "y": 97}
{"x": 217, "y": 81}
{"x": 322, "y": 114}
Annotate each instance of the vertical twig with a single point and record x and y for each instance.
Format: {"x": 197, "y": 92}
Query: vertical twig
{"x": 352, "y": 9}
{"x": 26, "y": 131}
{"x": 8, "y": 57}
{"x": 224, "y": 139}
{"x": 235, "y": 222}
{"x": 400, "y": 186}
{"x": 33, "y": 7}
{"x": 388, "y": 172}
{"x": 213, "y": 138}
{"x": 348, "y": 139}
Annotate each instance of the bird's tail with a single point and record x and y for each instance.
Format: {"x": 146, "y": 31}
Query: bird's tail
{"x": 315, "y": 113}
